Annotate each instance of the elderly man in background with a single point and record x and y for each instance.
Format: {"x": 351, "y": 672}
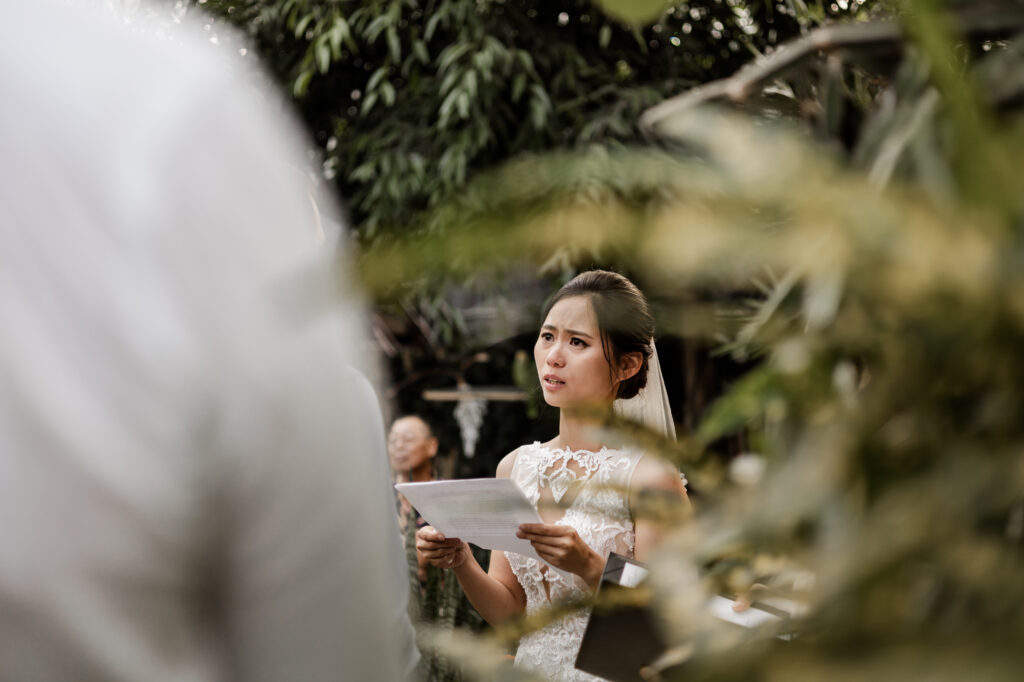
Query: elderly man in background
{"x": 412, "y": 447}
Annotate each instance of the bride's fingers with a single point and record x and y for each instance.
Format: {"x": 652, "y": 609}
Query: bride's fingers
{"x": 564, "y": 541}
{"x": 543, "y": 530}
{"x": 550, "y": 550}
{"x": 547, "y": 538}
{"x": 549, "y": 545}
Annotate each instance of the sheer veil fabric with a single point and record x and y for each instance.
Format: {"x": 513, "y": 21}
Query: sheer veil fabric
{"x": 650, "y": 407}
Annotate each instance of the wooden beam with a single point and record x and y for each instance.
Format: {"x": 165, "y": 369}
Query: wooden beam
{"x": 506, "y": 393}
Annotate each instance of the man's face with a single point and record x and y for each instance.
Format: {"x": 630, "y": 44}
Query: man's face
{"x": 410, "y": 445}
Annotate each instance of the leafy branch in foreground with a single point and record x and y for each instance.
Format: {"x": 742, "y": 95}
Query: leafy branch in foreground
{"x": 888, "y": 403}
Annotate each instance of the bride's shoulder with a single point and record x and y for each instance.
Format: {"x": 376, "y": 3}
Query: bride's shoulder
{"x": 655, "y": 473}
{"x": 508, "y": 461}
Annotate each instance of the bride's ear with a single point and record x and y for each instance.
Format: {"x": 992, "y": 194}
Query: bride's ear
{"x": 629, "y": 365}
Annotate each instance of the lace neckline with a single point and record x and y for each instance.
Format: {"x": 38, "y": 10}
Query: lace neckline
{"x": 605, "y": 451}
{"x": 561, "y": 468}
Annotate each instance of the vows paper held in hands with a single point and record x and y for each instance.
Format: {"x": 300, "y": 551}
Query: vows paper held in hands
{"x": 484, "y": 511}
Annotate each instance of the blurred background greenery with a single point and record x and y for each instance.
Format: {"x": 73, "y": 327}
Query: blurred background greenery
{"x": 824, "y": 202}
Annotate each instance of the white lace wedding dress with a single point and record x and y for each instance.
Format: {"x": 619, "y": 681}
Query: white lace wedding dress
{"x": 585, "y": 490}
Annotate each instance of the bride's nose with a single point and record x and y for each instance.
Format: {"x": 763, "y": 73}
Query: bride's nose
{"x": 555, "y": 356}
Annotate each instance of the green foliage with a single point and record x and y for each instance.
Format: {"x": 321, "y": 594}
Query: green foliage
{"x": 875, "y": 247}
{"x": 888, "y": 403}
{"x": 409, "y": 98}
{"x": 635, "y": 12}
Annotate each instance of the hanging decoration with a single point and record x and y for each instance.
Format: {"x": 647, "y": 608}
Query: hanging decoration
{"x": 469, "y": 413}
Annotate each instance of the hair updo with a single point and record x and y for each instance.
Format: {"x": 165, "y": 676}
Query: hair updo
{"x": 623, "y": 317}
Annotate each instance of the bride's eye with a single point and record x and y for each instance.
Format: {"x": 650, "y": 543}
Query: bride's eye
{"x": 578, "y": 342}
{"x": 546, "y": 336}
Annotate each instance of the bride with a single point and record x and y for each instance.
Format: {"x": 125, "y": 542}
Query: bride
{"x": 594, "y": 348}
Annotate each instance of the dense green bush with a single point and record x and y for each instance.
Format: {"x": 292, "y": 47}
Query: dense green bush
{"x": 407, "y": 99}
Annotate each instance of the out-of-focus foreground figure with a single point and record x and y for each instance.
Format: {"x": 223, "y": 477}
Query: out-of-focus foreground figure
{"x": 192, "y": 474}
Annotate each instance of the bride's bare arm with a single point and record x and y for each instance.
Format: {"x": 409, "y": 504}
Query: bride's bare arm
{"x": 657, "y": 481}
{"x": 496, "y": 594}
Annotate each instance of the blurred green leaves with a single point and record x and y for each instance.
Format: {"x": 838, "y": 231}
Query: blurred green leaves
{"x": 864, "y": 203}
{"x": 635, "y": 11}
{"x": 887, "y": 404}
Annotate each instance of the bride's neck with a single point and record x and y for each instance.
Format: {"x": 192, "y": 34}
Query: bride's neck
{"x": 577, "y": 433}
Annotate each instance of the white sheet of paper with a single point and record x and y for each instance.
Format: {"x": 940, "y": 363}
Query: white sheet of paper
{"x": 484, "y": 511}
{"x": 721, "y": 607}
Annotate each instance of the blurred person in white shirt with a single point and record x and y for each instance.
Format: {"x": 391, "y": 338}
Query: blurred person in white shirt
{"x": 192, "y": 474}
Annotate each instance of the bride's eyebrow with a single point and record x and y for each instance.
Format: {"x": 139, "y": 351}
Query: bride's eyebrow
{"x": 570, "y": 332}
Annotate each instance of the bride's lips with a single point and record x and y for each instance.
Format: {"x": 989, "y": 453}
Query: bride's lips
{"x": 552, "y": 382}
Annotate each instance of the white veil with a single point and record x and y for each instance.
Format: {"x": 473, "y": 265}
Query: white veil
{"x": 650, "y": 407}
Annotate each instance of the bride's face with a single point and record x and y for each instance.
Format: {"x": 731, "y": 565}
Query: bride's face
{"x": 570, "y": 359}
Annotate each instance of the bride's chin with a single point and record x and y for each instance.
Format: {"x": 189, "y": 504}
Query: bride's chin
{"x": 554, "y": 399}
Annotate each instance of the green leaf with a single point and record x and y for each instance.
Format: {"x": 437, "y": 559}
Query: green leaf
{"x": 418, "y": 163}
{"x": 300, "y": 28}
{"x": 368, "y": 103}
{"x": 445, "y": 112}
{"x": 376, "y": 27}
{"x": 340, "y": 33}
{"x": 518, "y": 85}
{"x": 323, "y": 55}
{"x": 634, "y": 11}
{"x": 494, "y": 46}
{"x": 450, "y": 79}
{"x": 419, "y": 50}
{"x": 364, "y": 172}
{"x": 394, "y": 45}
{"x": 432, "y": 26}
{"x": 541, "y": 95}
{"x": 376, "y": 78}
{"x": 301, "y": 85}
{"x": 527, "y": 61}
{"x": 746, "y": 401}
{"x": 387, "y": 93}
{"x": 450, "y": 55}
{"x": 469, "y": 83}
{"x": 538, "y": 114}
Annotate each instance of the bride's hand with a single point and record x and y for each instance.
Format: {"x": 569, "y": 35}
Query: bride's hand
{"x": 562, "y": 547}
{"x": 439, "y": 550}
